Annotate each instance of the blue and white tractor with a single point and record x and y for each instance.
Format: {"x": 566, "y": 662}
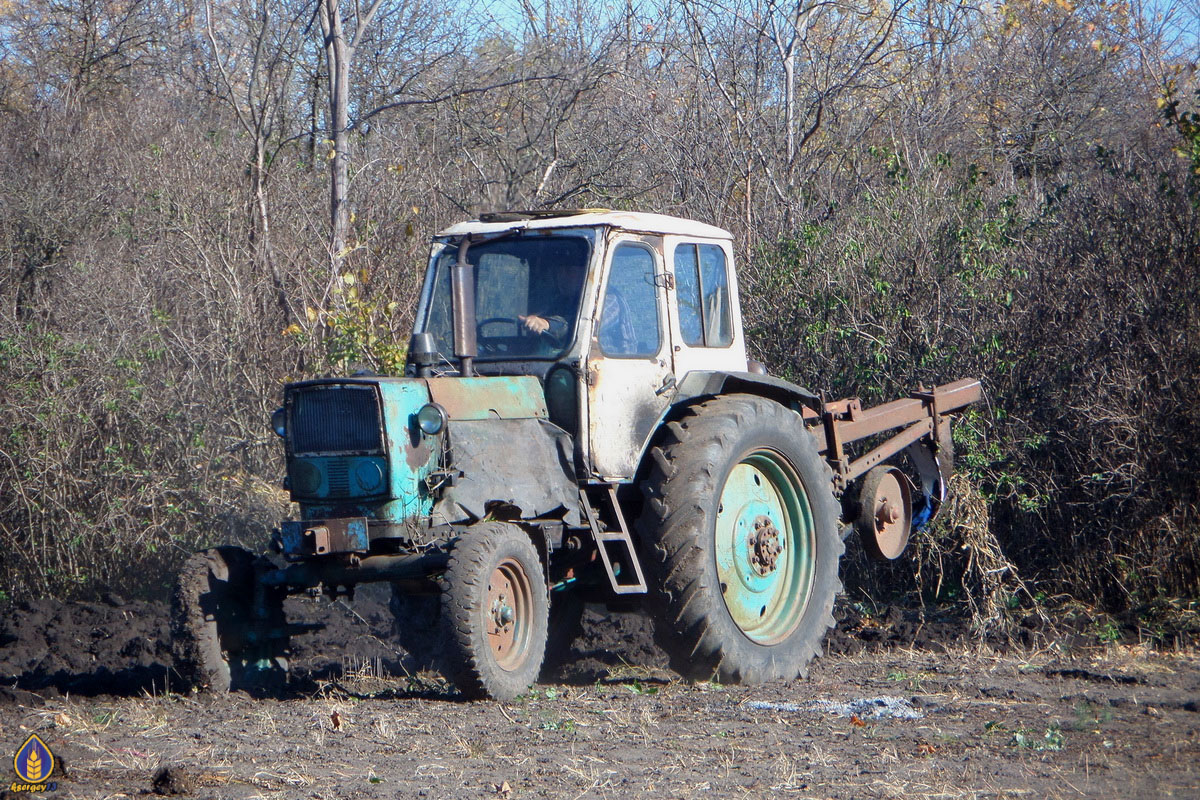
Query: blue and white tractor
{"x": 578, "y": 422}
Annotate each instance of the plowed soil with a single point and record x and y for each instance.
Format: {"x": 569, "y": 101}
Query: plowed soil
{"x": 900, "y": 706}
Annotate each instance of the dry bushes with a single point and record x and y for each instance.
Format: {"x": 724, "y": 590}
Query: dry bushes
{"x": 133, "y": 372}
{"x": 1075, "y": 299}
{"x": 988, "y": 194}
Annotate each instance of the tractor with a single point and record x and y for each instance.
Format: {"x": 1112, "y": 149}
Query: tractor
{"x": 578, "y": 422}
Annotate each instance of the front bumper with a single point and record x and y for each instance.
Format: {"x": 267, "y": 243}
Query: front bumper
{"x": 321, "y": 537}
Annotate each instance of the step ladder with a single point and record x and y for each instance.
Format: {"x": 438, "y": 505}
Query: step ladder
{"x": 624, "y": 551}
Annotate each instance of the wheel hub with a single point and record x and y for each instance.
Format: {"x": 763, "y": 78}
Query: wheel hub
{"x": 764, "y": 546}
{"x": 886, "y": 515}
{"x": 500, "y": 629}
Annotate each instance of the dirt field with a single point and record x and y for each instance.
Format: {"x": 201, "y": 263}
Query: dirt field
{"x": 901, "y": 708}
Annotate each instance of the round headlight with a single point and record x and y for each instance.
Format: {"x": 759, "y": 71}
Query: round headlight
{"x": 305, "y": 478}
{"x": 431, "y": 419}
{"x": 369, "y": 475}
{"x": 279, "y": 422}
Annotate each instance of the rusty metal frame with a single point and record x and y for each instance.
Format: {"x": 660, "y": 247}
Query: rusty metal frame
{"x": 351, "y": 569}
{"x": 322, "y": 537}
{"x": 923, "y": 415}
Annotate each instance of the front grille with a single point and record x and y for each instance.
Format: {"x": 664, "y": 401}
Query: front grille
{"x": 341, "y": 418}
{"x": 339, "y": 478}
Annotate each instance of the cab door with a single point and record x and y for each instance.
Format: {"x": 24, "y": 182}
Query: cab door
{"x": 629, "y": 375}
{"x": 706, "y": 322}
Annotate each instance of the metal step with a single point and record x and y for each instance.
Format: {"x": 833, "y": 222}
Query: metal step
{"x": 625, "y": 552}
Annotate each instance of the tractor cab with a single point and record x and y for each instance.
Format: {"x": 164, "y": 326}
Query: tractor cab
{"x": 609, "y": 310}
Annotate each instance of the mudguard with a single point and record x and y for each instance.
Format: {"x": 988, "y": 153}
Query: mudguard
{"x": 699, "y": 384}
{"x": 704, "y": 383}
{"x": 509, "y": 469}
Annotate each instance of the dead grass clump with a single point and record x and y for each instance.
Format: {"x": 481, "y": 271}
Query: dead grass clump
{"x": 960, "y": 549}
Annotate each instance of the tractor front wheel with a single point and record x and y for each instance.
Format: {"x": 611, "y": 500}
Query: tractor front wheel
{"x": 740, "y": 536}
{"x": 218, "y": 642}
{"x": 495, "y": 609}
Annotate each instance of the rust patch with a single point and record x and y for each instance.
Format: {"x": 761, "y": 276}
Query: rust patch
{"x": 515, "y": 397}
{"x": 417, "y": 455}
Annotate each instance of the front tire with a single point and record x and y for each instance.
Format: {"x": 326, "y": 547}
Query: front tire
{"x": 740, "y": 535}
{"x": 495, "y": 608}
{"x": 217, "y": 643}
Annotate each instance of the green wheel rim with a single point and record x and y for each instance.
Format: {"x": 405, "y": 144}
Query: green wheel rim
{"x": 765, "y": 546}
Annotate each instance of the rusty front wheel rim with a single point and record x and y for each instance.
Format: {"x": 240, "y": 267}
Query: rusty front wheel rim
{"x": 507, "y": 614}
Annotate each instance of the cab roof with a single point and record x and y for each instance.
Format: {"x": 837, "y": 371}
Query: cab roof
{"x": 634, "y": 221}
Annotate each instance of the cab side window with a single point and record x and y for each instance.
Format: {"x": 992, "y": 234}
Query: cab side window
{"x": 702, "y": 290}
{"x": 629, "y": 324}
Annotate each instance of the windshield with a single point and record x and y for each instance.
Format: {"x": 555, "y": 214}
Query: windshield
{"x": 527, "y": 293}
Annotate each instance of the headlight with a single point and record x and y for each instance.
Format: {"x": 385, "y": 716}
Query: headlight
{"x": 279, "y": 422}
{"x": 368, "y": 475}
{"x": 305, "y": 478}
{"x": 431, "y": 419}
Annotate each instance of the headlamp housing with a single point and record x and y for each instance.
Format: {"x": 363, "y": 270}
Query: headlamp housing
{"x": 279, "y": 422}
{"x": 432, "y": 419}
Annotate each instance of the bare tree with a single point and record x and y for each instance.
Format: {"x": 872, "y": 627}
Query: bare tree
{"x": 254, "y": 50}
{"x": 340, "y": 47}
{"x": 820, "y": 50}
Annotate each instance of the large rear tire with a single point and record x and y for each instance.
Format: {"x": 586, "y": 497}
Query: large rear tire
{"x": 217, "y": 643}
{"x": 739, "y": 534}
{"x": 495, "y": 609}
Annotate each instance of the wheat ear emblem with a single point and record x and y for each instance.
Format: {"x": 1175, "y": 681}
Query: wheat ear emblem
{"x": 38, "y": 762}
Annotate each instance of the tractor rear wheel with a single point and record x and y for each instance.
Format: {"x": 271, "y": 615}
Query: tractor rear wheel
{"x": 217, "y": 643}
{"x": 740, "y": 536}
{"x": 495, "y": 610}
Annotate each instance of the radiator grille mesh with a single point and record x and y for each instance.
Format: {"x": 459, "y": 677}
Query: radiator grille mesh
{"x": 335, "y": 419}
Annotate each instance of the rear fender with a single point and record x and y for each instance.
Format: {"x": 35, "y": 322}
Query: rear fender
{"x": 704, "y": 384}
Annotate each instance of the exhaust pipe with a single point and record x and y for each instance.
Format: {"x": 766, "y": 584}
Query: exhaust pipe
{"x": 462, "y": 291}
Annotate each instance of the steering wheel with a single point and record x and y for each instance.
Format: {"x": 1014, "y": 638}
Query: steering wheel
{"x": 493, "y": 345}
{"x": 494, "y": 320}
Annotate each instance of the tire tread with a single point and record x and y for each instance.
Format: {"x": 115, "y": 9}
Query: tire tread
{"x": 682, "y": 473}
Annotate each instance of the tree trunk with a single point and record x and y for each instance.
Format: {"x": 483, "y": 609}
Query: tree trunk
{"x": 264, "y": 249}
{"x": 337, "y": 58}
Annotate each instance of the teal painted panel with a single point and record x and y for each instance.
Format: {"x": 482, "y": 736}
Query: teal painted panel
{"x": 332, "y": 478}
{"x": 411, "y": 454}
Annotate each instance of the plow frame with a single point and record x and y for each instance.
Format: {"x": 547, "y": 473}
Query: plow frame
{"x": 924, "y": 423}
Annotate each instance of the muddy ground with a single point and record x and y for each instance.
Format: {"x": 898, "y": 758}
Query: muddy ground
{"x": 903, "y": 705}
